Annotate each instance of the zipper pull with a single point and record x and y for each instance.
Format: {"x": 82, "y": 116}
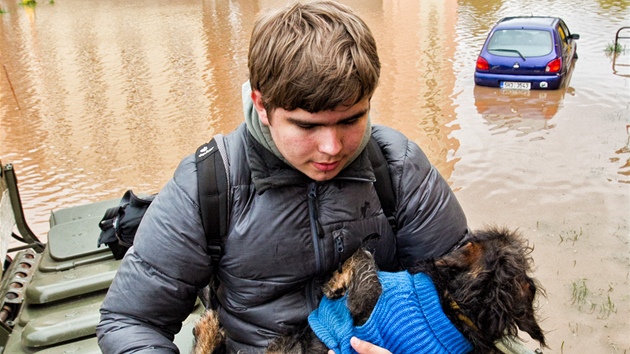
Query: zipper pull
{"x": 339, "y": 248}
{"x": 312, "y": 191}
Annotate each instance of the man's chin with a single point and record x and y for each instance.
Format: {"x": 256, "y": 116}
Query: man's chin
{"x": 321, "y": 176}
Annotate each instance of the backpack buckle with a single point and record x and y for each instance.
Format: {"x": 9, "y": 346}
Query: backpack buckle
{"x": 215, "y": 253}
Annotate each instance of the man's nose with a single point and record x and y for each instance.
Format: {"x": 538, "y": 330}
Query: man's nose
{"x": 330, "y": 141}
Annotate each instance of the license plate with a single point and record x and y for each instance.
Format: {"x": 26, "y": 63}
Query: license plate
{"x": 516, "y": 85}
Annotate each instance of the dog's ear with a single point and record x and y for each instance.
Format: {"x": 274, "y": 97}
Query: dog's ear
{"x": 525, "y": 316}
{"x": 463, "y": 257}
{"x": 513, "y": 306}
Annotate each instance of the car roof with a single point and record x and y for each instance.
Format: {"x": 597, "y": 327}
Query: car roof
{"x": 527, "y": 21}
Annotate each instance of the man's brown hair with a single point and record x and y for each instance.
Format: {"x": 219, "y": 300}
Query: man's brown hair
{"x": 315, "y": 56}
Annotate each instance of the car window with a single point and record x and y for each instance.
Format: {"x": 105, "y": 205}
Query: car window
{"x": 520, "y": 43}
{"x": 563, "y": 35}
{"x": 564, "y": 31}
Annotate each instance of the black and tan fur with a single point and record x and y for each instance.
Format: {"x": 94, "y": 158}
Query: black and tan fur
{"x": 484, "y": 285}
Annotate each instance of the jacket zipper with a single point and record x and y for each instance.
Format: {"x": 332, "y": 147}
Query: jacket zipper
{"x": 316, "y": 228}
{"x": 317, "y": 233}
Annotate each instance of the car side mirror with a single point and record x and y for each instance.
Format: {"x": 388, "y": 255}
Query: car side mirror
{"x": 575, "y": 36}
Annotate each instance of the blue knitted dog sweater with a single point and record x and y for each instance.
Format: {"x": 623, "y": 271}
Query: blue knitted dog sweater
{"x": 408, "y": 318}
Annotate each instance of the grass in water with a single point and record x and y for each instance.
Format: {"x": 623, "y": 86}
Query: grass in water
{"x": 580, "y": 291}
{"x": 607, "y": 308}
{"x": 571, "y": 235}
{"x": 612, "y": 48}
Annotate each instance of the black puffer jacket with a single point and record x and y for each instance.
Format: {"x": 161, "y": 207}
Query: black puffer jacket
{"x": 286, "y": 234}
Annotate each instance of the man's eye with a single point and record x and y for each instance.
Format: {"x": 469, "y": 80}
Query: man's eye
{"x": 350, "y": 121}
{"x": 306, "y": 126}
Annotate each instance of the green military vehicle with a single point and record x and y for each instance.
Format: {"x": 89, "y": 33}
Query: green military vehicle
{"x": 51, "y": 293}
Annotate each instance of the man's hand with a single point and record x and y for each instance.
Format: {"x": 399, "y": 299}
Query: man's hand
{"x": 363, "y": 347}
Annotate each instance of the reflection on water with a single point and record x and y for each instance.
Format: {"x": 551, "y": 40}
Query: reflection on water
{"x": 524, "y": 111}
{"x": 110, "y": 95}
{"x": 102, "y": 96}
{"x": 622, "y": 158}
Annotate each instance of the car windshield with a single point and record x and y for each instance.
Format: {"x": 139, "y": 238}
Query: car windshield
{"x": 520, "y": 43}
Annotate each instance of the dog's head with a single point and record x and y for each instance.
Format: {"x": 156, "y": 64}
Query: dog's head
{"x": 487, "y": 281}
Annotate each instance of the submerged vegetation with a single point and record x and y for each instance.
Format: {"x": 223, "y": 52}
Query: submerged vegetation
{"x": 579, "y": 292}
{"x": 571, "y": 236}
{"x": 585, "y": 300}
{"x": 614, "y": 48}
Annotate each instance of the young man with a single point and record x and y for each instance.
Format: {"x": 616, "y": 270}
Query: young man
{"x": 301, "y": 197}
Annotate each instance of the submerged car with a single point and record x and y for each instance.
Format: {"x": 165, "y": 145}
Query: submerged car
{"x": 532, "y": 52}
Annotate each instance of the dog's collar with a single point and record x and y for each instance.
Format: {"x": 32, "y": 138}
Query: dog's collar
{"x": 462, "y": 317}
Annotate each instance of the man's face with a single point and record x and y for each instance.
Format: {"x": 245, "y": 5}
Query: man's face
{"x": 317, "y": 144}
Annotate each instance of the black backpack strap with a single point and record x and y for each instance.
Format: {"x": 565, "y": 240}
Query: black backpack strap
{"x": 212, "y": 184}
{"x": 383, "y": 185}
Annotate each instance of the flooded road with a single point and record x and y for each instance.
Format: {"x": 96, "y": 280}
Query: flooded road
{"x": 100, "y": 97}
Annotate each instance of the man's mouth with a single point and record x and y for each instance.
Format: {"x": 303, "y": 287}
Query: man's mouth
{"x": 326, "y": 166}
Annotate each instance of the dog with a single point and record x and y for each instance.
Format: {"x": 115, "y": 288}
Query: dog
{"x": 483, "y": 284}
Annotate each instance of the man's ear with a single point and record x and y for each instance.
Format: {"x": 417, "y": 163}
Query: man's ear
{"x": 260, "y": 108}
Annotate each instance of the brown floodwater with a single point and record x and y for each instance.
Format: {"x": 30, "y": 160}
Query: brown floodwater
{"x": 97, "y": 97}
